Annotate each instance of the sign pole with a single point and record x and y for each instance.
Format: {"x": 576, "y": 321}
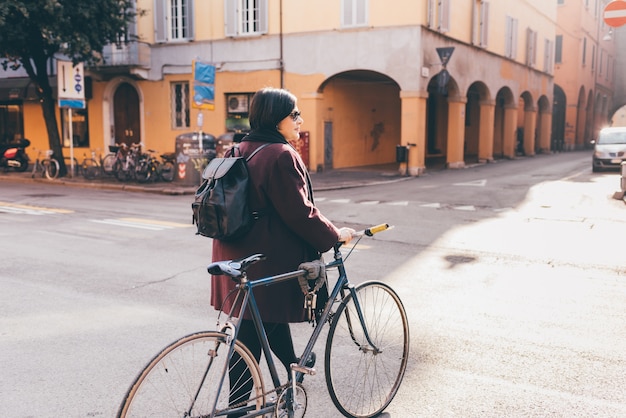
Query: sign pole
{"x": 71, "y": 131}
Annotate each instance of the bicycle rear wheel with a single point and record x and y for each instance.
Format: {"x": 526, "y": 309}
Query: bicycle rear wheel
{"x": 108, "y": 164}
{"x": 167, "y": 171}
{"x": 50, "y": 168}
{"x": 183, "y": 380}
{"x": 374, "y": 377}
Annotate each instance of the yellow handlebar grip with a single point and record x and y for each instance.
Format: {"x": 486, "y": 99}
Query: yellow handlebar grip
{"x": 375, "y": 229}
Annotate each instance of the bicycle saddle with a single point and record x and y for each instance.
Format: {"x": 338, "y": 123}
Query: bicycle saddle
{"x": 234, "y": 268}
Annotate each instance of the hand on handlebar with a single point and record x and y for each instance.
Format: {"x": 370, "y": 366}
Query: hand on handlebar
{"x": 346, "y": 234}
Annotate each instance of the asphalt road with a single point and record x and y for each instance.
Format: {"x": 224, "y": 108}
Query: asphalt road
{"x": 512, "y": 275}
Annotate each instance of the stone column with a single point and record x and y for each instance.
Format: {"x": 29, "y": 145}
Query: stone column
{"x": 509, "y": 132}
{"x": 485, "y": 130}
{"x": 530, "y": 125}
{"x": 310, "y": 105}
{"x": 545, "y": 132}
{"x": 456, "y": 132}
{"x": 413, "y": 130}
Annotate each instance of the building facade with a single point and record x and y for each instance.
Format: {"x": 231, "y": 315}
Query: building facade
{"x": 452, "y": 82}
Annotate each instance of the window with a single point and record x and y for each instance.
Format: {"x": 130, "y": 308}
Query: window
{"x": 11, "y": 122}
{"x": 584, "y": 51}
{"x": 510, "y": 45}
{"x": 354, "y": 13}
{"x": 245, "y": 17}
{"x": 80, "y": 128}
{"x": 173, "y": 20}
{"x": 558, "y": 49}
{"x": 180, "y": 105}
{"x": 531, "y": 47}
{"x": 593, "y": 58}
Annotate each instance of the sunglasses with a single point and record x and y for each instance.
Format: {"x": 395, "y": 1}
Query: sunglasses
{"x": 295, "y": 115}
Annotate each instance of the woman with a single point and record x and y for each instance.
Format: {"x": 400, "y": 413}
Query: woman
{"x": 290, "y": 230}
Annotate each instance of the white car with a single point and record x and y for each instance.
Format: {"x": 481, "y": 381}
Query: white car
{"x": 609, "y": 149}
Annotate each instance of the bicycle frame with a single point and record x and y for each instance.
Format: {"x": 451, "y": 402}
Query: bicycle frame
{"x": 245, "y": 298}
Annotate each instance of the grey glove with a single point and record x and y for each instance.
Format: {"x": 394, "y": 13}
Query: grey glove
{"x": 314, "y": 269}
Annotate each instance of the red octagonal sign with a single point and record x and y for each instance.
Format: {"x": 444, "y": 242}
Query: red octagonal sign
{"x": 615, "y": 13}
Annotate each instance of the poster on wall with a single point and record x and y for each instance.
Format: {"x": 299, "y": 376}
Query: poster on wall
{"x": 203, "y": 85}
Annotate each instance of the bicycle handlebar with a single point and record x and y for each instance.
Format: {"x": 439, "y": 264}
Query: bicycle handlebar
{"x": 373, "y": 230}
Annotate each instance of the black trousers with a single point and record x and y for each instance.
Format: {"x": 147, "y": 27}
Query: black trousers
{"x": 281, "y": 344}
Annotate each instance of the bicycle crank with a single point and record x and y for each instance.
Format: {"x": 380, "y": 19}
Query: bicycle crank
{"x": 288, "y": 406}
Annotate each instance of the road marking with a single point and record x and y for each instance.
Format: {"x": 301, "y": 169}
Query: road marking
{"x": 370, "y": 202}
{"x": 431, "y": 205}
{"x": 476, "y": 183}
{"x": 398, "y": 203}
{"x": 30, "y": 210}
{"x": 149, "y": 224}
{"x": 466, "y": 207}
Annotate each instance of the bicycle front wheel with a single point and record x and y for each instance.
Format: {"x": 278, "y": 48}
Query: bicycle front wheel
{"x": 91, "y": 169}
{"x": 50, "y": 168}
{"x": 183, "y": 380}
{"x": 375, "y": 372}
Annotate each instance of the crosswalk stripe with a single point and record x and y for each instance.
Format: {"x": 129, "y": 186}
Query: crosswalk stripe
{"x": 148, "y": 224}
{"x": 30, "y": 210}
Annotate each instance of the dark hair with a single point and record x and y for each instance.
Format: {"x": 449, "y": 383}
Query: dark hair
{"x": 269, "y": 106}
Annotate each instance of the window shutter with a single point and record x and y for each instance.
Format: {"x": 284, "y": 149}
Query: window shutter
{"x": 346, "y": 16}
{"x": 514, "y": 38}
{"x": 361, "y": 12}
{"x": 444, "y": 15}
{"x": 484, "y": 24}
{"x": 160, "y": 20}
{"x": 230, "y": 17}
{"x": 190, "y": 19}
{"x": 263, "y": 19}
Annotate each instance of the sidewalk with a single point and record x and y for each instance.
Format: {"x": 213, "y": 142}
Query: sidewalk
{"x": 327, "y": 180}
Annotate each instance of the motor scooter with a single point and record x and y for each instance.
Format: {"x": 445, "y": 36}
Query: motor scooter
{"x": 13, "y": 156}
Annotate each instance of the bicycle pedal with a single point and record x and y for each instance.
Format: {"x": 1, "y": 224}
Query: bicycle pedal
{"x": 303, "y": 369}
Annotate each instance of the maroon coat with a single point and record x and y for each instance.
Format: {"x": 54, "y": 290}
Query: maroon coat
{"x": 290, "y": 231}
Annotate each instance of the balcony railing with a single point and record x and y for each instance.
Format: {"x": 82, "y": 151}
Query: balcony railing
{"x": 131, "y": 54}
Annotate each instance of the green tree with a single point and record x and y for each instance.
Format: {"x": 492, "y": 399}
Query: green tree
{"x": 34, "y": 32}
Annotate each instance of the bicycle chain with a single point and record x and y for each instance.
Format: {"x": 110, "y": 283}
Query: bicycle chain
{"x": 244, "y": 403}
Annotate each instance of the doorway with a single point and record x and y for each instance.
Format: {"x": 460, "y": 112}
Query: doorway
{"x": 126, "y": 121}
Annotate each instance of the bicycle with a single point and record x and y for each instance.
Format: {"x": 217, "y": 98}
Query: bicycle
{"x": 48, "y": 167}
{"x": 368, "y": 328}
{"x": 167, "y": 167}
{"x": 91, "y": 167}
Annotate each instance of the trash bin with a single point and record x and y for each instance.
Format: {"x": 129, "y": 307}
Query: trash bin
{"x": 402, "y": 153}
{"x": 192, "y": 156}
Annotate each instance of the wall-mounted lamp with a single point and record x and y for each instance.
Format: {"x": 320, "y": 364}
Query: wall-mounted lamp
{"x": 608, "y": 36}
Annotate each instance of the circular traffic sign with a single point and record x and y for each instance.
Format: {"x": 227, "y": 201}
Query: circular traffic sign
{"x": 615, "y": 13}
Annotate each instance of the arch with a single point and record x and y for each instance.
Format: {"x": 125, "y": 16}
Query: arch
{"x": 559, "y": 107}
{"x": 361, "y": 114}
{"x": 477, "y": 94}
{"x": 108, "y": 110}
{"x": 542, "y": 132}
{"x": 501, "y": 131}
{"x": 526, "y": 125}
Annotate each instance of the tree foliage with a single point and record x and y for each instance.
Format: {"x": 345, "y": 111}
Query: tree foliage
{"x": 34, "y": 32}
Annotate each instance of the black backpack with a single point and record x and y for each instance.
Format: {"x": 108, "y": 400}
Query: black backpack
{"x": 220, "y": 209}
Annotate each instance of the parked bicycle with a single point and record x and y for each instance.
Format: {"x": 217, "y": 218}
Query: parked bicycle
{"x": 47, "y": 167}
{"x": 167, "y": 167}
{"x": 368, "y": 333}
{"x": 126, "y": 162}
{"x": 92, "y": 167}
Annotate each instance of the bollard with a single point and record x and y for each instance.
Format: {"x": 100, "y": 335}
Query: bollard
{"x": 623, "y": 178}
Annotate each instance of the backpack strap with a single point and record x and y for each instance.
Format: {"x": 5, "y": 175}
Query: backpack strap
{"x": 257, "y": 150}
